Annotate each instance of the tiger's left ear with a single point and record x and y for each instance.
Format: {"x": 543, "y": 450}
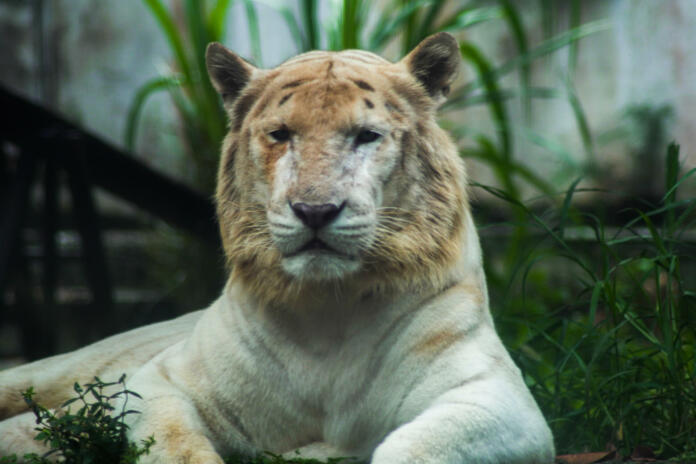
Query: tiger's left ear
{"x": 228, "y": 73}
{"x": 434, "y": 63}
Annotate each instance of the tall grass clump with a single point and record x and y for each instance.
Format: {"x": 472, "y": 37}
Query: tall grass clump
{"x": 602, "y": 320}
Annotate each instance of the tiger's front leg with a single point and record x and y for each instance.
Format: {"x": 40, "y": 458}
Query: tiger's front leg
{"x": 179, "y": 433}
{"x": 485, "y": 422}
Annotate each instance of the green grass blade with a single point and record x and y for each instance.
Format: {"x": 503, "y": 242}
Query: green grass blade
{"x": 408, "y": 32}
{"x": 254, "y": 34}
{"x": 514, "y": 21}
{"x": 563, "y": 215}
{"x": 467, "y": 17}
{"x": 198, "y": 36}
{"x": 548, "y": 15}
{"x": 574, "y": 21}
{"x": 583, "y": 126}
{"x": 216, "y": 20}
{"x": 557, "y": 148}
{"x": 671, "y": 178}
{"x": 483, "y": 68}
{"x": 199, "y": 89}
{"x": 391, "y": 25}
{"x": 309, "y": 16}
{"x": 427, "y": 24}
{"x": 136, "y": 107}
{"x": 672, "y": 190}
{"x": 505, "y": 94}
{"x": 526, "y": 173}
{"x": 657, "y": 239}
{"x": 174, "y": 38}
{"x": 350, "y": 25}
{"x": 549, "y": 46}
{"x": 671, "y": 172}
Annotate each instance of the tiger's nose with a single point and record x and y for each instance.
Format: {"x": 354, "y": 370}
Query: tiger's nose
{"x": 316, "y": 216}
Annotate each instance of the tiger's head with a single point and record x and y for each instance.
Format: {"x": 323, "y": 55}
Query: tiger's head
{"x": 334, "y": 170}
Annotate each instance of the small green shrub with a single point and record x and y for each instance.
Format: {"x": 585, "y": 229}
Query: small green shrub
{"x": 95, "y": 435}
{"x": 92, "y": 434}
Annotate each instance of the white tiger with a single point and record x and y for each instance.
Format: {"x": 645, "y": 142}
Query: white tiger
{"x": 355, "y": 321}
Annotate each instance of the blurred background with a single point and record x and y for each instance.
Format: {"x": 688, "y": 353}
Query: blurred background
{"x": 575, "y": 118}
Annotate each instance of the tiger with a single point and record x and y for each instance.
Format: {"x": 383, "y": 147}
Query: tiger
{"x": 355, "y": 321}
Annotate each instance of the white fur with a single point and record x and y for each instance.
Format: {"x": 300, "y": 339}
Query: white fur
{"x": 344, "y": 378}
{"x": 412, "y": 377}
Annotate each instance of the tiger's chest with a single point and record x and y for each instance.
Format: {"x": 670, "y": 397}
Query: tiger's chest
{"x": 348, "y": 386}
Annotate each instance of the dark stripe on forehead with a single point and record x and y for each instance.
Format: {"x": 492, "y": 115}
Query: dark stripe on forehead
{"x": 284, "y": 99}
{"x": 292, "y": 84}
{"x": 363, "y": 85}
{"x": 242, "y": 107}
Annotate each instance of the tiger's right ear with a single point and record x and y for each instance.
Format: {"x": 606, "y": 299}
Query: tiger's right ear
{"x": 228, "y": 73}
{"x": 434, "y": 63}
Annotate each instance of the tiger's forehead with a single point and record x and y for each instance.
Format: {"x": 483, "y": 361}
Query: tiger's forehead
{"x": 322, "y": 65}
{"x": 345, "y": 57}
{"x": 321, "y": 68}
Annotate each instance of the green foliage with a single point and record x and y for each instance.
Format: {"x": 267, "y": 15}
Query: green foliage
{"x": 92, "y": 434}
{"x": 197, "y": 103}
{"x": 602, "y": 320}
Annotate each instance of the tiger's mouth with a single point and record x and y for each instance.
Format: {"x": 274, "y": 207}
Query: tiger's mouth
{"x": 319, "y": 260}
{"x": 316, "y": 245}
{"x": 330, "y": 252}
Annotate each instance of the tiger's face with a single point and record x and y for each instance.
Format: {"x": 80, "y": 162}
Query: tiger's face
{"x": 327, "y": 164}
{"x": 334, "y": 165}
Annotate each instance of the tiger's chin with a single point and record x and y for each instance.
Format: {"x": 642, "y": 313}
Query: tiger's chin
{"x": 320, "y": 265}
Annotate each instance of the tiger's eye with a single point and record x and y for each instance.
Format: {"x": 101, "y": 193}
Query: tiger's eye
{"x": 280, "y": 135}
{"x": 366, "y": 136}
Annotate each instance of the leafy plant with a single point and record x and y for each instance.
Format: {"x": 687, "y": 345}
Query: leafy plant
{"x": 203, "y": 119}
{"x": 96, "y": 434}
{"x": 92, "y": 434}
{"x": 602, "y": 320}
